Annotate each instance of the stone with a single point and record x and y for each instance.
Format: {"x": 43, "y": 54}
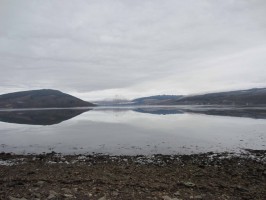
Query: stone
{"x": 189, "y": 184}
{"x": 241, "y": 189}
{"x": 198, "y": 197}
{"x": 168, "y": 198}
{"x": 37, "y": 195}
{"x": 177, "y": 193}
{"x": 14, "y": 198}
{"x": 115, "y": 193}
{"x": 52, "y": 195}
{"x": 53, "y": 192}
{"x": 68, "y": 196}
{"x": 66, "y": 190}
{"x": 102, "y": 198}
{"x": 40, "y": 183}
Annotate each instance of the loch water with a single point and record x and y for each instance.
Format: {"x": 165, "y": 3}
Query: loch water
{"x": 133, "y": 130}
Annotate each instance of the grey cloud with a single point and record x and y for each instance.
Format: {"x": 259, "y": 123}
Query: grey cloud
{"x": 99, "y": 49}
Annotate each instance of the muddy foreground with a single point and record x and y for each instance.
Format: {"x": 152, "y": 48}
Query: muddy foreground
{"x": 101, "y": 177}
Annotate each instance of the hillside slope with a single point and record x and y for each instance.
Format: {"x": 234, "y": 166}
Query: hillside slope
{"x": 156, "y": 100}
{"x": 45, "y": 98}
{"x": 251, "y": 97}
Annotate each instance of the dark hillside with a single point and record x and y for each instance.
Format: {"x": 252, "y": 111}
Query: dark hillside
{"x": 252, "y": 97}
{"x": 45, "y": 98}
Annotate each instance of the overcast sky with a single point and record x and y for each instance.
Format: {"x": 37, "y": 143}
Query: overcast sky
{"x": 98, "y": 49}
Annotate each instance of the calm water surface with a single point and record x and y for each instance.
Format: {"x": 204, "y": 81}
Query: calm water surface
{"x": 132, "y": 131}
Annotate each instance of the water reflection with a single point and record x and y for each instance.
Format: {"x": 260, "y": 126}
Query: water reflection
{"x": 250, "y": 112}
{"x": 160, "y": 110}
{"x": 246, "y": 112}
{"x": 56, "y": 116}
{"x": 132, "y": 131}
{"x": 40, "y": 117}
{"x": 256, "y": 113}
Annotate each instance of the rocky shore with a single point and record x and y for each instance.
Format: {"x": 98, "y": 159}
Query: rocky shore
{"x": 102, "y": 177}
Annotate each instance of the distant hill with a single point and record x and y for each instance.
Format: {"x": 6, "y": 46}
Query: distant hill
{"x": 251, "y": 97}
{"x": 45, "y": 98}
{"x": 156, "y": 100}
{"x": 114, "y": 102}
{"x": 151, "y": 100}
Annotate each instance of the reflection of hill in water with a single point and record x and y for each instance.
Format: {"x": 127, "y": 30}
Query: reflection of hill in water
{"x": 56, "y": 116}
{"x": 159, "y": 111}
{"x": 256, "y": 113}
{"x": 40, "y": 117}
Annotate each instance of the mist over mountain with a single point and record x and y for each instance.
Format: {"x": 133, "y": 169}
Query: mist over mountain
{"x": 251, "y": 97}
{"x": 45, "y": 98}
{"x": 156, "y": 100}
{"x": 151, "y": 100}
